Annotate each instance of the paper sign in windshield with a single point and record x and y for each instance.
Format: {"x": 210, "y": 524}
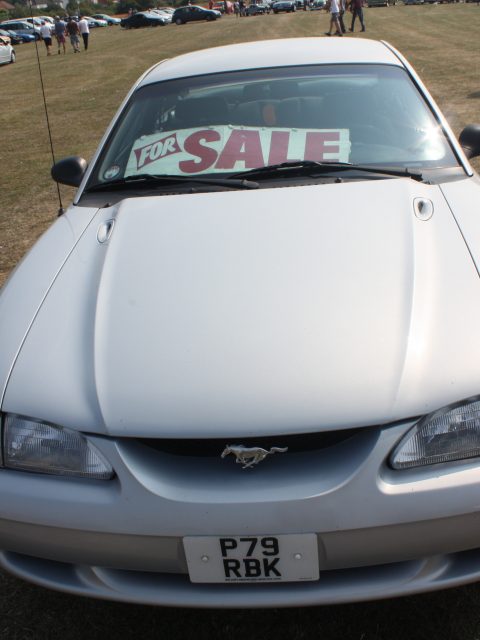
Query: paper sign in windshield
{"x": 227, "y": 149}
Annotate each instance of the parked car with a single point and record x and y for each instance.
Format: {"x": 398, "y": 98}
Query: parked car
{"x": 164, "y": 14}
{"x": 17, "y": 38}
{"x": 22, "y": 37}
{"x": 242, "y": 369}
{"x": 35, "y": 21}
{"x": 289, "y": 6}
{"x": 381, "y": 3}
{"x": 21, "y": 27}
{"x": 257, "y": 9}
{"x": 110, "y": 20}
{"x": 143, "y": 19}
{"x": 192, "y": 13}
{"x": 7, "y": 52}
{"x": 94, "y": 23}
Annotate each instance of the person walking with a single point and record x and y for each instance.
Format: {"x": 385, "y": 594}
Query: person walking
{"x": 356, "y": 7}
{"x": 46, "y": 35}
{"x": 84, "y": 31}
{"x": 342, "y": 7}
{"x": 334, "y": 18}
{"x": 73, "y": 32}
{"x": 59, "y": 30}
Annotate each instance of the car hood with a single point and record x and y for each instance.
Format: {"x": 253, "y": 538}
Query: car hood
{"x": 256, "y": 312}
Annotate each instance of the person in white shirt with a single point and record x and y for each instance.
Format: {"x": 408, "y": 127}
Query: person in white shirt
{"x": 334, "y": 18}
{"x": 84, "y": 30}
{"x": 46, "y": 34}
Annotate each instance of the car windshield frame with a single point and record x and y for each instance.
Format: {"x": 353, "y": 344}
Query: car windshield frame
{"x": 189, "y": 85}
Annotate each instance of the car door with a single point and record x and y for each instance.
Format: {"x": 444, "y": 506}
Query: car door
{"x": 196, "y": 13}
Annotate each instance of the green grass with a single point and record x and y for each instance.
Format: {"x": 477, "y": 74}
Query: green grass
{"x": 83, "y": 92}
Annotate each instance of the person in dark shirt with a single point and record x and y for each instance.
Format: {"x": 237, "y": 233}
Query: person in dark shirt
{"x": 356, "y": 7}
{"x": 73, "y": 31}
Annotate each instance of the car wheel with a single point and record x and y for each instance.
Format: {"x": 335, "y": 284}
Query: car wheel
{"x": 178, "y": 21}
{"x": 12, "y": 57}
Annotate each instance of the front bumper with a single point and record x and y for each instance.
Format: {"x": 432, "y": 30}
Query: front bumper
{"x": 380, "y": 533}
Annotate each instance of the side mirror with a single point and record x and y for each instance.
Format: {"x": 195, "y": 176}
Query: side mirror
{"x": 470, "y": 140}
{"x": 69, "y": 171}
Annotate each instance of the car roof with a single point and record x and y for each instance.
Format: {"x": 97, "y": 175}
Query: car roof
{"x": 272, "y": 53}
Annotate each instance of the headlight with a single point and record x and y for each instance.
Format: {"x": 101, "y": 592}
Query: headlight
{"x": 32, "y": 445}
{"x": 453, "y": 433}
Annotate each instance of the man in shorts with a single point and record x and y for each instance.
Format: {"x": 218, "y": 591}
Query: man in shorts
{"x": 46, "y": 35}
{"x": 73, "y": 32}
{"x": 334, "y": 18}
{"x": 59, "y": 29}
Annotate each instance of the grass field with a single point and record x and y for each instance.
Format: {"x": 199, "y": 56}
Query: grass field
{"x": 83, "y": 93}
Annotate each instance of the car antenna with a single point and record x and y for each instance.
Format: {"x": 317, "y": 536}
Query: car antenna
{"x": 61, "y": 210}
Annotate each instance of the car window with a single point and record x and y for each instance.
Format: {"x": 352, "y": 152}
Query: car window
{"x": 367, "y": 114}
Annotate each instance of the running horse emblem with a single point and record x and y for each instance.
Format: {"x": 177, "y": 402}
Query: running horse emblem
{"x": 248, "y": 456}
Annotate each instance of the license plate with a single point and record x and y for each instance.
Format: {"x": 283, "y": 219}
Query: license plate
{"x": 283, "y": 558}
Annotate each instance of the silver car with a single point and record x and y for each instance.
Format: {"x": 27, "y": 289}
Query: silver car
{"x": 242, "y": 369}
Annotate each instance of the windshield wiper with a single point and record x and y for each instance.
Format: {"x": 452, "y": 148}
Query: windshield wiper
{"x": 148, "y": 179}
{"x": 312, "y": 167}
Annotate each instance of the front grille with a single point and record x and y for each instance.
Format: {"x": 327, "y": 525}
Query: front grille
{"x": 214, "y": 446}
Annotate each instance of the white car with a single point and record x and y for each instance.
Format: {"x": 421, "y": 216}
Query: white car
{"x": 164, "y": 14}
{"x": 7, "y": 52}
{"x": 110, "y": 20}
{"x": 96, "y": 22}
{"x": 242, "y": 369}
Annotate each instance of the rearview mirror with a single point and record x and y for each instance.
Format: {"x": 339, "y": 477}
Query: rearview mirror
{"x": 470, "y": 140}
{"x": 69, "y": 171}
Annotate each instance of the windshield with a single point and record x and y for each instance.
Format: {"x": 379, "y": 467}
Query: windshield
{"x": 233, "y": 122}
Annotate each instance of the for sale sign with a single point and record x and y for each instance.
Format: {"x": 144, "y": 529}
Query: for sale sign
{"x": 229, "y": 149}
